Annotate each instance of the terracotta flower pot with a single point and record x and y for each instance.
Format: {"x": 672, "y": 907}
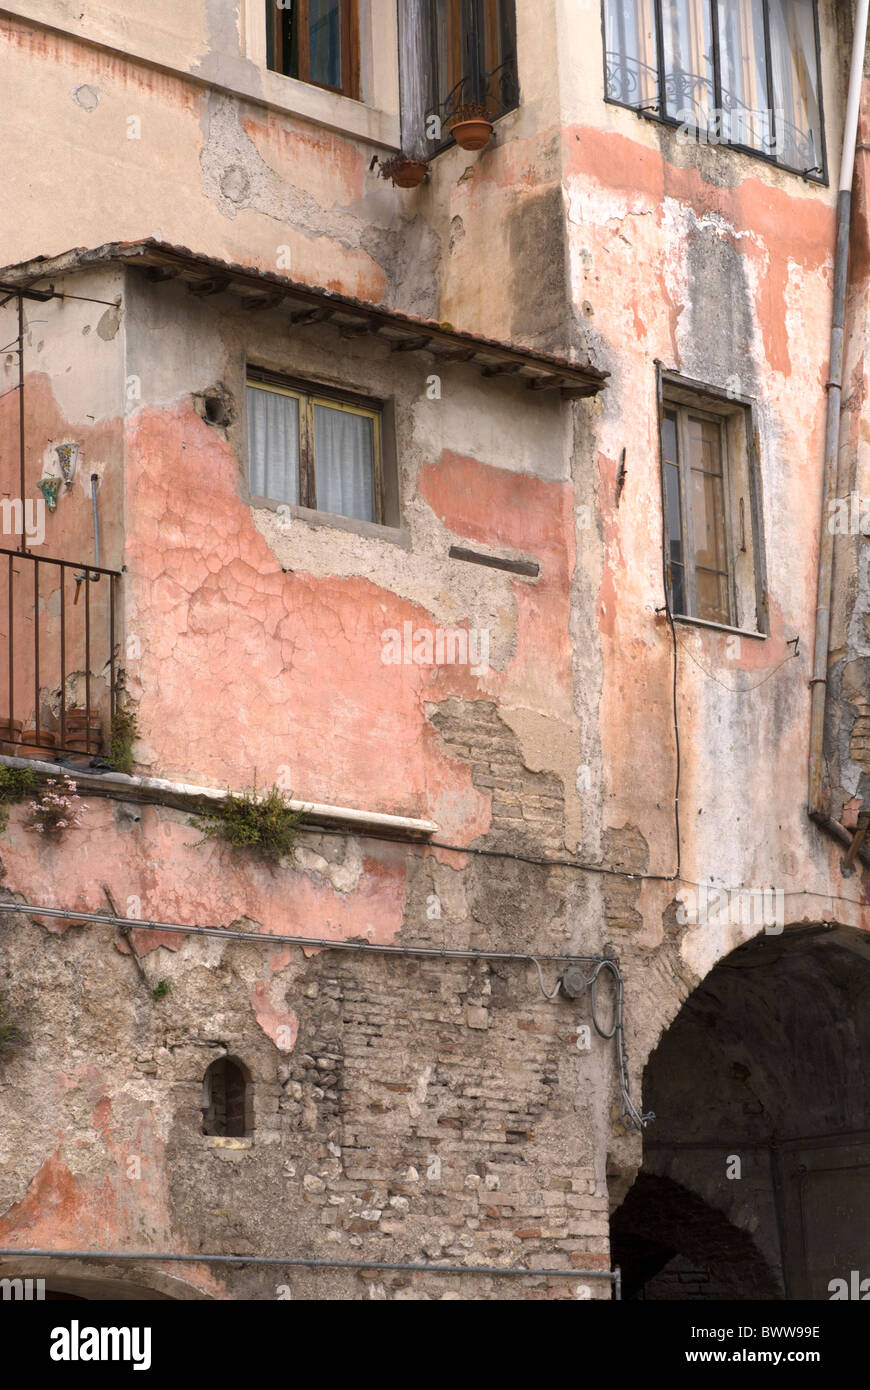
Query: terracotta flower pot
{"x": 28, "y": 742}
{"x": 472, "y": 133}
{"x": 409, "y": 173}
{"x": 81, "y": 743}
{"x": 10, "y": 733}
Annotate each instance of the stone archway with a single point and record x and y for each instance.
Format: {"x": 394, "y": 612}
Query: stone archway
{"x": 755, "y": 1180}
{"x": 66, "y": 1279}
{"x": 670, "y": 1244}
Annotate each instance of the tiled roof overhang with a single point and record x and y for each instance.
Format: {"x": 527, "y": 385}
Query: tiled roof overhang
{"x": 260, "y": 290}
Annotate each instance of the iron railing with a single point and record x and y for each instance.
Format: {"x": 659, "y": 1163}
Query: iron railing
{"x": 494, "y": 91}
{"x": 690, "y": 99}
{"x": 58, "y": 622}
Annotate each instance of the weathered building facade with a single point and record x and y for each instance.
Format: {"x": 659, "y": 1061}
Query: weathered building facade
{"x": 482, "y": 518}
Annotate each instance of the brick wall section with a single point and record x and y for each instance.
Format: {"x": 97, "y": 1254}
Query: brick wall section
{"x": 430, "y": 1110}
{"x": 415, "y": 1121}
{"x": 528, "y": 808}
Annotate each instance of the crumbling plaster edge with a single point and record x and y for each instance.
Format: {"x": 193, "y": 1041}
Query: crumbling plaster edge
{"x": 183, "y": 796}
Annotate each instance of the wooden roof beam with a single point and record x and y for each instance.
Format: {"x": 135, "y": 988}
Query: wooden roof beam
{"x": 311, "y": 316}
{"x": 502, "y": 369}
{"x": 411, "y": 344}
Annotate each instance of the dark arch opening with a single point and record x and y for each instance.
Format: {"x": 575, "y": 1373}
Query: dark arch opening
{"x": 670, "y": 1244}
{"x": 755, "y": 1180}
{"x": 227, "y": 1109}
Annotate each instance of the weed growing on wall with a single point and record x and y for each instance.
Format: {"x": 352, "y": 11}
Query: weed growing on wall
{"x": 16, "y": 784}
{"x": 265, "y": 825}
{"x": 125, "y": 731}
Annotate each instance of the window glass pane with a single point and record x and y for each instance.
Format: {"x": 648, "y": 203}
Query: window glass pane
{"x": 678, "y": 590}
{"x": 447, "y": 92}
{"x": 282, "y": 29}
{"x": 324, "y": 42}
{"x": 669, "y": 437}
{"x": 688, "y": 60}
{"x": 499, "y": 87}
{"x": 795, "y": 83}
{"x": 743, "y": 69}
{"x": 344, "y": 463}
{"x": 273, "y": 445}
{"x": 708, "y": 520}
{"x": 673, "y": 514}
{"x": 706, "y": 495}
{"x": 631, "y": 74}
{"x": 707, "y": 500}
{"x": 473, "y": 56}
{"x": 712, "y": 597}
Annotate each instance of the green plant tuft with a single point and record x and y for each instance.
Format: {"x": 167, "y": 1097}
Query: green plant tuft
{"x": 160, "y": 990}
{"x": 266, "y": 825}
{"x": 125, "y": 731}
{"x": 16, "y": 784}
{"x": 10, "y": 1034}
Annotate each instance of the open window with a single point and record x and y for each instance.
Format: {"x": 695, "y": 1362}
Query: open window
{"x": 315, "y": 448}
{"x": 729, "y": 72}
{"x": 711, "y": 496}
{"x": 316, "y": 41}
{"x": 227, "y": 1101}
{"x": 472, "y": 59}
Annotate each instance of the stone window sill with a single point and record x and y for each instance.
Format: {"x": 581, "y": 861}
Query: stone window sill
{"x": 396, "y": 535}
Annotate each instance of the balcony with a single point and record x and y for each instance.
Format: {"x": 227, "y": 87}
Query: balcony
{"x": 58, "y": 691}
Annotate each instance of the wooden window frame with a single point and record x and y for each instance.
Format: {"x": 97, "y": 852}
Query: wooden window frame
{"x": 350, "y": 57}
{"x": 309, "y": 394}
{"x": 682, "y": 410}
{"x": 469, "y": 23}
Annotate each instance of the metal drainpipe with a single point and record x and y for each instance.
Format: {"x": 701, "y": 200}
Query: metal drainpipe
{"x": 819, "y": 681}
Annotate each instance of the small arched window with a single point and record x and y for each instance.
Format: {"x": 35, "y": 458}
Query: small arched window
{"x": 226, "y": 1101}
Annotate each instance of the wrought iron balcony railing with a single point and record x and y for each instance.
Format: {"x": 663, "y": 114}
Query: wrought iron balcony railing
{"x": 690, "y": 99}
{"x": 58, "y": 628}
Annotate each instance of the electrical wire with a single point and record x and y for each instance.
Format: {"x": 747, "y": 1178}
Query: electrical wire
{"x": 313, "y": 942}
{"x": 128, "y": 924}
{"x": 735, "y": 689}
{"x": 312, "y": 1262}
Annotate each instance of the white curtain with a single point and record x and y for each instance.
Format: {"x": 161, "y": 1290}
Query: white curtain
{"x": 744, "y": 73}
{"x": 273, "y": 445}
{"x": 344, "y": 463}
{"x": 632, "y": 74}
{"x": 688, "y": 55}
{"x": 795, "y": 82}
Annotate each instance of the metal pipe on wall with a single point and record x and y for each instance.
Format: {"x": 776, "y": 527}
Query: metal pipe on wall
{"x": 819, "y": 679}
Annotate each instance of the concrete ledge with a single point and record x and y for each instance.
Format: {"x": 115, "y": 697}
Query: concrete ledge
{"x": 181, "y": 796}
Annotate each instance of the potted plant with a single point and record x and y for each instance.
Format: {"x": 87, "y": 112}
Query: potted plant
{"x": 470, "y": 125}
{"x": 404, "y": 171}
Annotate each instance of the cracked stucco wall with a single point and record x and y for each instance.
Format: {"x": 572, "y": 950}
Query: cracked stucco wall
{"x": 579, "y": 229}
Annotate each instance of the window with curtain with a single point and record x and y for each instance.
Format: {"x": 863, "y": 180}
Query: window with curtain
{"x": 316, "y": 41}
{"x": 472, "y": 57}
{"x": 312, "y": 449}
{"x": 737, "y": 72}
